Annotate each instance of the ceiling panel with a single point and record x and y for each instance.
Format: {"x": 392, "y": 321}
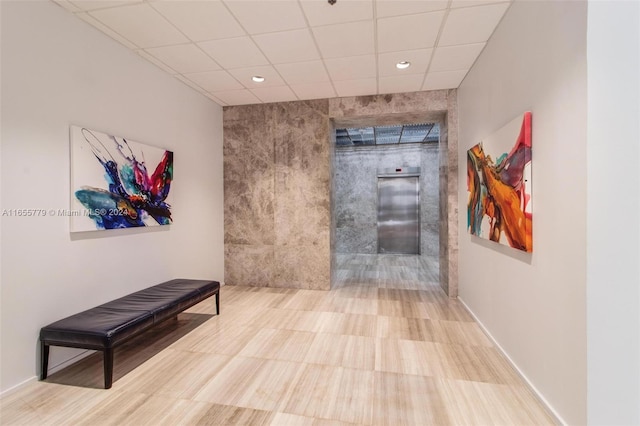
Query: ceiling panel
{"x": 454, "y": 58}
{"x": 214, "y": 81}
{"x": 443, "y": 80}
{"x": 409, "y": 31}
{"x": 200, "y": 20}
{"x": 401, "y": 83}
{"x": 262, "y": 16}
{"x": 101, "y": 4}
{"x": 236, "y": 52}
{"x": 275, "y": 94}
{"x": 287, "y": 46}
{"x": 342, "y": 11}
{"x": 341, "y": 40}
{"x": 306, "y": 49}
{"x": 184, "y": 58}
{"x": 314, "y": 90}
{"x": 386, "y": 8}
{"x": 237, "y": 97}
{"x": 362, "y": 87}
{"x": 141, "y": 25}
{"x": 471, "y": 24}
{"x": 351, "y": 67}
{"x": 303, "y": 72}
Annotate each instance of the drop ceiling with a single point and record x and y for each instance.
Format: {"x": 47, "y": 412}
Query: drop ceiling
{"x": 305, "y": 49}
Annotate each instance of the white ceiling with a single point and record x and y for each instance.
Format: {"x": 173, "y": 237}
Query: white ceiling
{"x": 306, "y": 49}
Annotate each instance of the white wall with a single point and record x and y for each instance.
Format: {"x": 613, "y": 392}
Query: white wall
{"x": 56, "y": 70}
{"x": 613, "y": 206}
{"x": 535, "y": 305}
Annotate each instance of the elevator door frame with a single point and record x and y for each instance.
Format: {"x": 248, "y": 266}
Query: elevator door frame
{"x": 412, "y": 173}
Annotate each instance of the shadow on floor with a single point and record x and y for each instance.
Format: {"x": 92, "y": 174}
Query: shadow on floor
{"x": 89, "y": 373}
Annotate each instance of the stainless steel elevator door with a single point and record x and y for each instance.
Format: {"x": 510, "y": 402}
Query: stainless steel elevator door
{"x": 398, "y": 215}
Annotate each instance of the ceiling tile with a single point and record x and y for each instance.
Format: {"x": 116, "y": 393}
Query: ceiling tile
{"x": 386, "y": 8}
{"x": 200, "y": 20}
{"x": 467, "y": 3}
{"x": 444, "y": 80}
{"x": 184, "y": 58}
{"x": 101, "y": 4}
{"x": 401, "y": 84}
{"x": 275, "y": 94}
{"x": 267, "y": 16}
{"x": 189, "y": 83}
{"x": 68, "y": 5}
{"x": 454, "y": 58}
{"x": 236, "y": 52}
{"x": 108, "y": 31}
{"x": 340, "y": 40}
{"x": 320, "y": 12}
{"x": 419, "y": 62}
{"x": 141, "y": 25}
{"x": 367, "y": 86}
{"x": 471, "y": 24}
{"x": 314, "y": 90}
{"x": 272, "y": 78}
{"x": 214, "y": 81}
{"x": 237, "y": 97}
{"x": 156, "y": 62}
{"x": 409, "y": 32}
{"x": 351, "y": 67}
{"x": 288, "y": 46}
{"x": 215, "y": 99}
{"x": 303, "y": 72}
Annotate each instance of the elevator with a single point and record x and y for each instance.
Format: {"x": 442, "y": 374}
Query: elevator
{"x": 399, "y": 210}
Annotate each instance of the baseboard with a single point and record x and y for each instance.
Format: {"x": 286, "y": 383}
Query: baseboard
{"x": 52, "y": 370}
{"x": 535, "y": 391}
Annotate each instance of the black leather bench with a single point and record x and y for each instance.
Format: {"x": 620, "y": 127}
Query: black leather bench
{"x": 107, "y": 326}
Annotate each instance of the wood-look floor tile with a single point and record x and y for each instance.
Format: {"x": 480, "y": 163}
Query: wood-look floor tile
{"x": 449, "y": 311}
{"x": 307, "y": 300}
{"x": 227, "y": 341}
{"x": 485, "y": 403}
{"x": 350, "y": 306}
{"x": 408, "y": 400}
{"x": 333, "y": 393}
{"x": 406, "y": 309}
{"x": 352, "y": 324}
{"x": 179, "y": 374}
{"x": 250, "y": 383}
{"x": 286, "y": 419}
{"x": 216, "y": 414}
{"x": 285, "y": 345}
{"x": 343, "y": 351}
{"x": 289, "y": 319}
{"x": 406, "y": 328}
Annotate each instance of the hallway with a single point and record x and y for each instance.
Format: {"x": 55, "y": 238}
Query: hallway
{"x": 379, "y": 348}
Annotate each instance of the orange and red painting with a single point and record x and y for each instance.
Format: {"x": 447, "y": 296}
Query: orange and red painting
{"x": 499, "y": 186}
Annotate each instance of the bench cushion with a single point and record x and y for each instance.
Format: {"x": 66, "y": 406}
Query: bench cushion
{"x": 106, "y": 325}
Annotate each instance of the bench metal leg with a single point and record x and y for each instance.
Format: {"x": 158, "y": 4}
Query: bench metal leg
{"x": 108, "y": 367}
{"x": 44, "y": 353}
{"x": 218, "y": 303}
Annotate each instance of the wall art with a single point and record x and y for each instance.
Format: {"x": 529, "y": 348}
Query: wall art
{"x": 117, "y": 183}
{"x": 499, "y": 186}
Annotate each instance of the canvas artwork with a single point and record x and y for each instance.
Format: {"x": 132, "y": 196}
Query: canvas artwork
{"x": 118, "y": 183}
{"x": 499, "y": 186}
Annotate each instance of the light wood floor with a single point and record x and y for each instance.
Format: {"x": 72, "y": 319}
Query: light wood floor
{"x": 384, "y": 347}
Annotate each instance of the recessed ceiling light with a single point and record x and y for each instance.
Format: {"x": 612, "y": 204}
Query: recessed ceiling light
{"x": 257, "y": 78}
{"x": 403, "y": 65}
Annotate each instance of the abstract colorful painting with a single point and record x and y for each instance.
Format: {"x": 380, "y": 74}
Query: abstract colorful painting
{"x": 499, "y": 186}
{"x": 117, "y": 183}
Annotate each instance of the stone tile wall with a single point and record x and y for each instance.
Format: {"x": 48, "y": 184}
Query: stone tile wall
{"x": 277, "y": 171}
